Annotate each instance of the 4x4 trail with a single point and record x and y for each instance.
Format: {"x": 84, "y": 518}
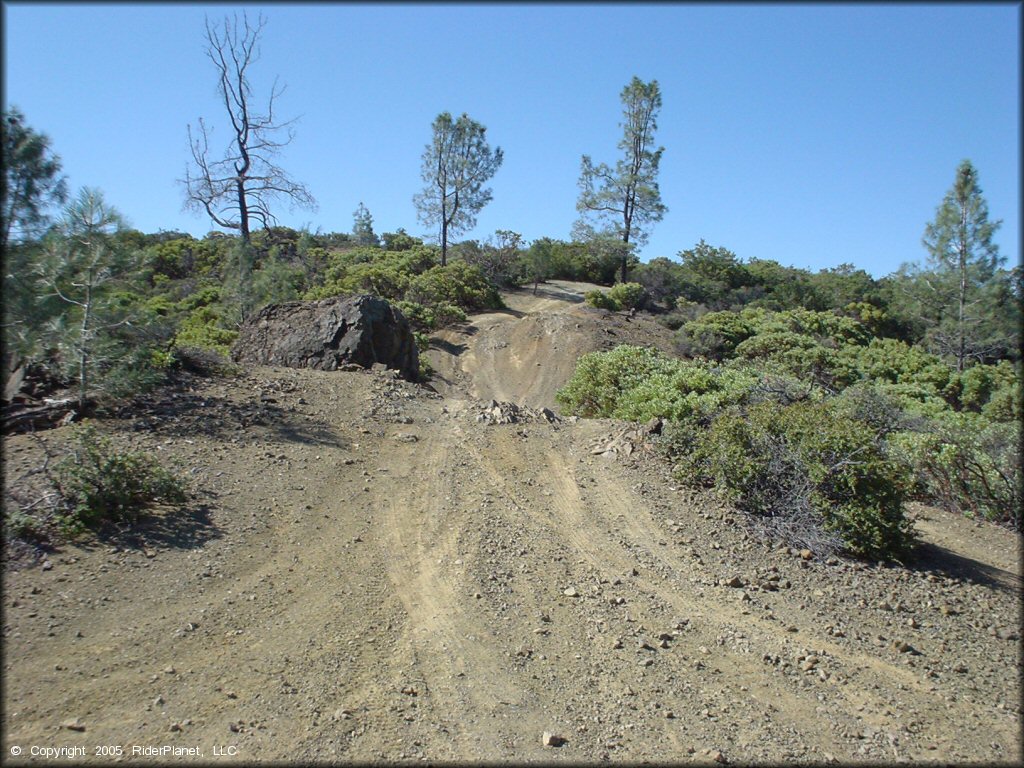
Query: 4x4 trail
{"x": 374, "y": 570}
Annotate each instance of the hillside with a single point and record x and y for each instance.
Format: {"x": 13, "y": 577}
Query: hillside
{"x": 374, "y": 573}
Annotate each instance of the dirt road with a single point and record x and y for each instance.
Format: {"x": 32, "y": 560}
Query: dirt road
{"x": 373, "y": 574}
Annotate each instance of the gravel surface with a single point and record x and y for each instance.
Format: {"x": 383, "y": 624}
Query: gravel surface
{"x": 371, "y": 572}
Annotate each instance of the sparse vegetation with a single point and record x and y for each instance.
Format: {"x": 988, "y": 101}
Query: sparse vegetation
{"x": 98, "y": 481}
{"x": 91, "y": 481}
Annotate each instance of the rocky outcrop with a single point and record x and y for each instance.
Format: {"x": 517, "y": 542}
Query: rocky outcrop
{"x": 328, "y": 334}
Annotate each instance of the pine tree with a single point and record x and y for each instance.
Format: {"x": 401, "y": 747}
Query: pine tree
{"x": 362, "y": 227}
{"x": 456, "y": 165}
{"x": 957, "y": 288}
{"x": 627, "y": 197}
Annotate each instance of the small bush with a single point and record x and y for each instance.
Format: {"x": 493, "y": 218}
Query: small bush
{"x": 629, "y": 295}
{"x": 966, "y": 464}
{"x": 458, "y": 284}
{"x": 203, "y": 329}
{"x": 680, "y": 314}
{"x": 639, "y": 383}
{"x": 139, "y": 370}
{"x": 99, "y": 482}
{"x": 600, "y": 300}
{"x": 429, "y": 318}
{"x": 203, "y": 361}
{"x": 714, "y": 335}
{"x": 993, "y": 390}
{"x": 601, "y": 378}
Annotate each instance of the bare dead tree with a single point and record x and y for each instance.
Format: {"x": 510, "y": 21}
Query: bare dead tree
{"x": 239, "y": 188}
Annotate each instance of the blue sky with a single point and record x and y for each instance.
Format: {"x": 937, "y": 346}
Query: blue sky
{"x": 809, "y": 134}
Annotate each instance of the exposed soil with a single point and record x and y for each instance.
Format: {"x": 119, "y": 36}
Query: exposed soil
{"x": 369, "y": 573}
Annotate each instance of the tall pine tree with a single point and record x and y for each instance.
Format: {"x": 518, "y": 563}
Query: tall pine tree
{"x": 626, "y": 198}
{"x": 959, "y": 287}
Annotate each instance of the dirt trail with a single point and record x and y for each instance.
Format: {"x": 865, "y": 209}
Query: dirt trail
{"x": 375, "y": 575}
{"x": 525, "y": 353}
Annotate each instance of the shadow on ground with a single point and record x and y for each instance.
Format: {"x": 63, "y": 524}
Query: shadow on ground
{"x": 931, "y": 558}
{"x": 551, "y": 292}
{"x": 168, "y": 528}
{"x": 187, "y": 415}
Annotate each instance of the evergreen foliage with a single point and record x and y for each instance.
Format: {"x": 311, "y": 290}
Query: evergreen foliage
{"x": 456, "y": 165}
{"x": 626, "y": 199}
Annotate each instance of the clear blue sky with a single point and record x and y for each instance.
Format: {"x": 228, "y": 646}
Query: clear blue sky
{"x": 809, "y": 134}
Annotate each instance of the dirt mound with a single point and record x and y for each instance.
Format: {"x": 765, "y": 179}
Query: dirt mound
{"x": 526, "y": 353}
{"x": 328, "y": 334}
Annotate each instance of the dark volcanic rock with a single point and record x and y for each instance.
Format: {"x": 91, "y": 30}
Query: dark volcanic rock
{"x": 329, "y": 333}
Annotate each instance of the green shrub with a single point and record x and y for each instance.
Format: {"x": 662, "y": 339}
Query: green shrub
{"x": 203, "y": 297}
{"x": 798, "y": 355}
{"x": 430, "y": 318}
{"x": 760, "y": 333}
{"x": 824, "y": 327}
{"x": 993, "y": 390}
{"x": 18, "y": 524}
{"x": 458, "y": 284}
{"x": 715, "y": 335}
{"x": 629, "y": 295}
{"x": 818, "y": 477}
{"x": 138, "y": 370}
{"x": 690, "y": 393}
{"x": 601, "y": 378}
{"x": 431, "y": 296}
{"x": 639, "y": 383}
{"x": 967, "y": 464}
{"x": 202, "y": 329}
{"x": 98, "y": 482}
{"x": 600, "y": 300}
{"x": 896, "y": 362}
{"x": 367, "y": 269}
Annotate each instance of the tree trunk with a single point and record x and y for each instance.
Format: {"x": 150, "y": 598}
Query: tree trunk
{"x": 625, "y": 252}
{"x": 961, "y": 351}
{"x": 83, "y": 346}
{"x": 243, "y": 213}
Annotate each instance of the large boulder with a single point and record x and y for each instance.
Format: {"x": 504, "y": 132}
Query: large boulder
{"x": 329, "y": 333}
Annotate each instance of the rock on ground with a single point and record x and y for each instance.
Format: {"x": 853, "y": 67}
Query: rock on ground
{"x": 327, "y": 334}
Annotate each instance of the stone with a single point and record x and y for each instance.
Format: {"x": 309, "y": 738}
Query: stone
{"x": 328, "y": 334}
{"x": 571, "y": 592}
{"x": 549, "y": 739}
{"x": 73, "y": 724}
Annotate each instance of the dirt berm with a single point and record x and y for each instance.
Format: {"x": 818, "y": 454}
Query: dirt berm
{"x": 371, "y": 574}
